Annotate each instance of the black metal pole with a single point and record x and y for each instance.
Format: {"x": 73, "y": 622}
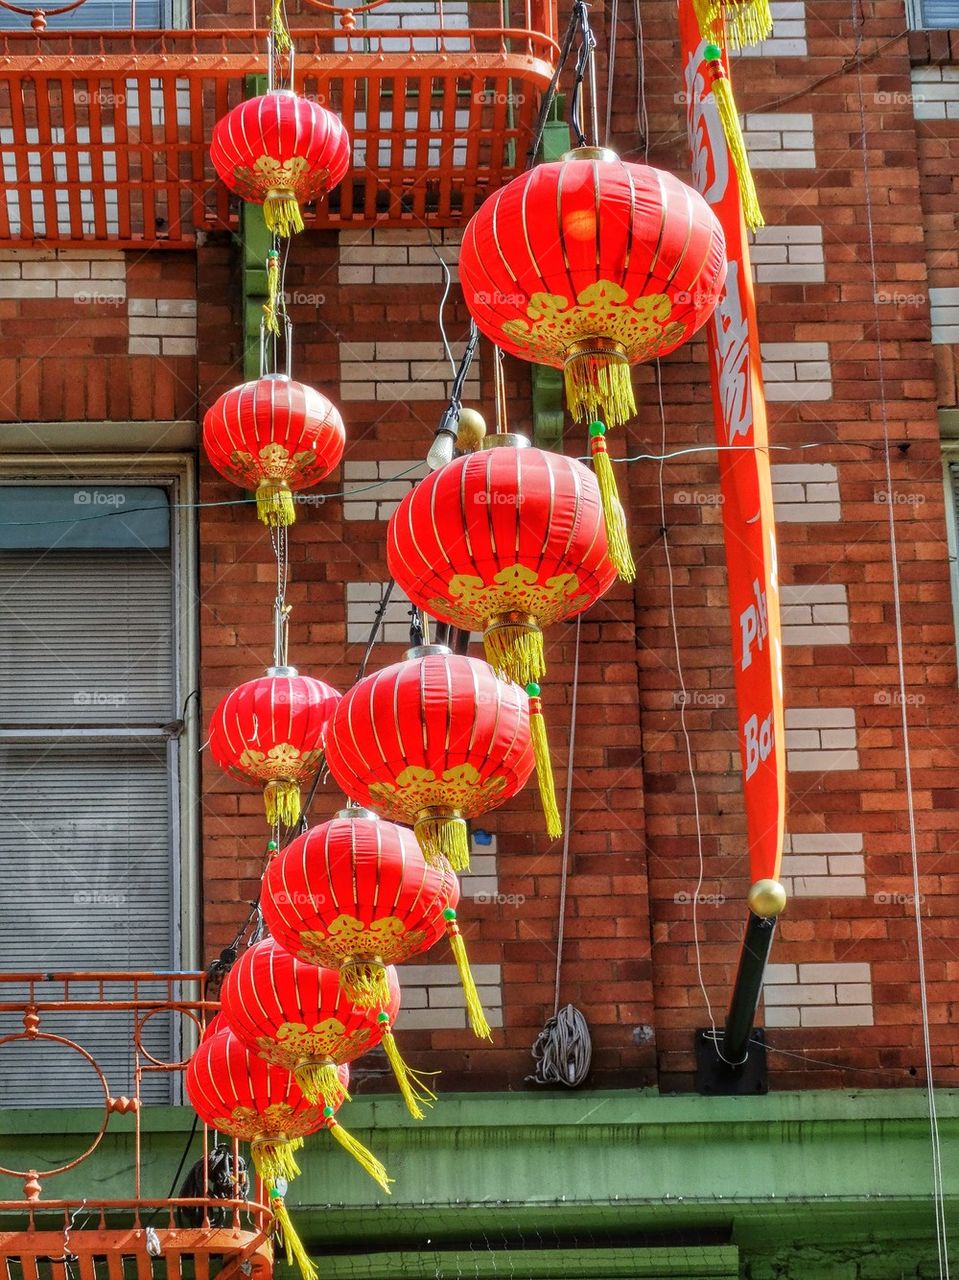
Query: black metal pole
{"x": 757, "y": 941}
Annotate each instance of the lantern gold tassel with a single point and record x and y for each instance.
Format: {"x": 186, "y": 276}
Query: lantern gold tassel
{"x": 293, "y": 1246}
{"x": 442, "y": 833}
{"x": 544, "y": 765}
{"x": 278, "y": 28}
{"x": 273, "y": 1159}
{"x": 598, "y": 382}
{"x": 723, "y": 97}
{"x": 364, "y": 1158}
{"x": 474, "y": 1007}
{"x": 281, "y": 213}
{"x": 274, "y": 504}
{"x": 365, "y": 983}
{"x": 617, "y": 535}
{"x": 282, "y": 800}
{"x": 321, "y": 1083}
{"x": 271, "y": 308}
{"x": 514, "y": 647}
{"x": 409, "y": 1082}
{"x": 747, "y": 22}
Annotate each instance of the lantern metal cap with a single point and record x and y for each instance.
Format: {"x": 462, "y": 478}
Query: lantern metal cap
{"x": 506, "y": 440}
{"x": 356, "y": 812}
{"x": 282, "y": 671}
{"x": 274, "y": 377}
{"x": 429, "y": 651}
{"x": 591, "y": 153}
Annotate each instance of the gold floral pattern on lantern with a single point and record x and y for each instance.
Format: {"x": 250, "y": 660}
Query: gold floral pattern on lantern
{"x": 296, "y": 1043}
{"x": 347, "y": 938}
{"x": 273, "y": 462}
{"x": 602, "y": 310}
{"x": 416, "y": 789}
{"x": 277, "y": 1122}
{"x": 514, "y": 589}
{"x": 282, "y": 761}
{"x": 270, "y": 176}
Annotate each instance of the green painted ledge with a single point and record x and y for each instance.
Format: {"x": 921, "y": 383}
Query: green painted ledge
{"x": 716, "y": 1172}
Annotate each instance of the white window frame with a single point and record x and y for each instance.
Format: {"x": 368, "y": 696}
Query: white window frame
{"x": 915, "y": 18}
{"x": 177, "y": 474}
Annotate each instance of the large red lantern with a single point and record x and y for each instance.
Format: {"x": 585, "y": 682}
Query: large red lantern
{"x": 269, "y": 732}
{"x": 281, "y": 151}
{"x": 356, "y": 894}
{"x": 590, "y": 264}
{"x": 295, "y": 1016}
{"x": 504, "y": 541}
{"x": 432, "y": 741}
{"x": 275, "y": 436}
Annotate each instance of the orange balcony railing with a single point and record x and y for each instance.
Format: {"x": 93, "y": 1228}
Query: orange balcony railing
{"x": 104, "y": 135}
{"x": 135, "y": 1021}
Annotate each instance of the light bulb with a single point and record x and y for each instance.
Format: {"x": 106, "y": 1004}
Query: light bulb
{"x": 441, "y": 450}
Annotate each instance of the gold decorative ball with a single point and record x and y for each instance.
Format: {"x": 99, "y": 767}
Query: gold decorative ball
{"x": 767, "y": 898}
{"x": 471, "y": 431}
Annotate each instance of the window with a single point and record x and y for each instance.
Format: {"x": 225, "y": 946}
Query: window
{"x": 94, "y": 672}
{"x": 930, "y": 14}
{"x": 103, "y": 15}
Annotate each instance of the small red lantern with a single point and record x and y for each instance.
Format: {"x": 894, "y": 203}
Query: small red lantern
{"x": 269, "y": 732}
{"x": 276, "y": 436}
{"x": 356, "y": 894}
{"x": 590, "y": 265}
{"x": 236, "y": 1092}
{"x": 504, "y": 541}
{"x": 281, "y": 151}
{"x": 295, "y": 1016}
{"x": 432, "y": 741}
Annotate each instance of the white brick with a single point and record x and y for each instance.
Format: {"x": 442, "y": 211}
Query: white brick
{"x": 176, "y": 307}
{"x": 59, "y": 270}
{"x": 142, "y": 306}
{"x": 841, "y": 738}
{"x": 781, "y": 1017}
{"x": 430, "y": 1019}
{"x": 27, "y": 289}
{"x": 854, "y": 993}
{"x": 829, "y": 886}
{"x": 803, "y": 994}
{"x": 178, "y": 346}
{"x": 163, "y": 326}
{"x": 781, "y": 973}
{"x": 849, "y": 971}
{"x": 108, "y": 271}
{"x": 144, "y": 347}
{"x": 830, "y": 761}
{"x": 826, "y": 841}
{"x": 846, "y": 864}
{"x": 790, "y": 274}
{"x": 820, "y": 717}
{"x": 805, "y": 865}
{"x": 355, "y": 274}
{"x": 848, "y": 1015}
{"x": 810, "y": 635}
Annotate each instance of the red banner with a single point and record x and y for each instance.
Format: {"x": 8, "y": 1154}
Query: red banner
{"x": 749, "y": 530}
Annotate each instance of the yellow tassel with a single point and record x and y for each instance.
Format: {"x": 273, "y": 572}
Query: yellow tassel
{"x": 474, "y": 1006}
{"x": 274, "y": 504}
{"x": 282, "y": 800}
{"x": 723, "y": 97}
{"x": 444, "y": 835}
{"x": 364, "y": 1158}
{"x": 410, "y": 1083}
{"x": 278, "y": 29}
{"x": 746, "y": 22}
{"x": 293, "y": 1246}
{"x": 544, "y": 765}
{"x": 273, "y": 1159}
{"x": 271, "y": 308}
{"x": 617, "y": 536}
{"x": 365, "y": 983}
{"x": 514, "y": 648}
{"x": 281, "y": 213}
{"x": 598, "y": 385}
{"x": 321, "y": 1084}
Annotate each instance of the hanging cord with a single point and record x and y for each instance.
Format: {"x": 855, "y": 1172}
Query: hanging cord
{"x": 444, "y": 437}
{"x": 642, "y": 114}
{"x": 938, "y": 1192}
{"x": 549, "y": 97}
{"x": 611, "y": 68}
{"x": 499, "y": 385}
{"x": 683, "y": 698}
{"x": 585, "y": 64}
{"x": 447, "y": 282}
{"x": 377, "y": 621}
{"x": 564, "y": 862}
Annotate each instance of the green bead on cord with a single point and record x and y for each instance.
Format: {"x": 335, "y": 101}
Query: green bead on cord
{"x": 597, "y": 428}
{"x": 449, "y": 913}
{"x": 712, "y": 53}
{"x": 382, "y": 1017}
{"x": 272, "y": 846}
{"x": 328, "y": 1113}
{"x": 532, "y": 689}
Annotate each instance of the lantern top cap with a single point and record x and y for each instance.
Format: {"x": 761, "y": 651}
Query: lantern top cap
{"x": 591, "y": 153}
{"x": 356, "y": 813}
{"x": 506, "y": 440}
{"x": 429, "y": 651}
{"x": 282, "y": 671}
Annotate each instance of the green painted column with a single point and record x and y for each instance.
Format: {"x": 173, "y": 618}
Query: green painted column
{"x": 547, "y": 383}
{"x": 255, "y": 243}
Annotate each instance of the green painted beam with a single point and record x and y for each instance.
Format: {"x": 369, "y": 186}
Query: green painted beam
{"x": 547, "y": 383}
{"x": 255, "y": 242}
{"x": 586, "y": 1263}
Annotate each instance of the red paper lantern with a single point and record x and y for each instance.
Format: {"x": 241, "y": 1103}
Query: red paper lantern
{"x": 269, "y": 732}
{"x": 590, "y": 264}
{"x": 275, "y": 436}
{"x": 504, "y": 541}
{"x": 432, "y": 741}
{"x": 281, "y": 151}
{"x": 295, "y": 1016}
{"x": 356, "y": 894}
{"x": 236, "y": 1092}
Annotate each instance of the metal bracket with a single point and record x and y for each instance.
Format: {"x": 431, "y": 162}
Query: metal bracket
{"x": 717, "y": 1078}
{"x": 255, "y": 244}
